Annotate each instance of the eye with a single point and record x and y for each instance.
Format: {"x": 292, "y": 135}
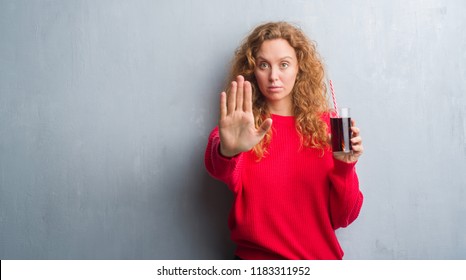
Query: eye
{"x": 263, "y": 65}
{"x": 284, "y": 65}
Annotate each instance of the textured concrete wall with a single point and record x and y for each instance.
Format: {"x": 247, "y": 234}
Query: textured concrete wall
{"x": 105, "y": 109}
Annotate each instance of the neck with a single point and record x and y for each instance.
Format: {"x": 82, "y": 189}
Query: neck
{"x": 280, "y": 108}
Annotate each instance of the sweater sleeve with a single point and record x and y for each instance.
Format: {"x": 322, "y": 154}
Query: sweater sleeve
{"x": 345, "y": 197}
{"x": 227, "y": 170}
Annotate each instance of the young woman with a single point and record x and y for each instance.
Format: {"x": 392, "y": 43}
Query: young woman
{"x": 271, "y": 148}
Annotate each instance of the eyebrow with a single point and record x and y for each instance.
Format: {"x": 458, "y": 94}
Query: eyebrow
{"x": 285, "y": 57}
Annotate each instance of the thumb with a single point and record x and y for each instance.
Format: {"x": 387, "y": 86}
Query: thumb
{"x": 265, "y": 126}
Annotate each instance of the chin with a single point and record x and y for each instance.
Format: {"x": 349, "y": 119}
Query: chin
{"x": 275, "y": 96}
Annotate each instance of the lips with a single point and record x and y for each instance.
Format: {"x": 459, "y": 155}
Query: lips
{"x": 274, "y": 88}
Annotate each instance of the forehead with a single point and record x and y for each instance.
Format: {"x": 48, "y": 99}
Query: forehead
{"x": 276, "y": 49}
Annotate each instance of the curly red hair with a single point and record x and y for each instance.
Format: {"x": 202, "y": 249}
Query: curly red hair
{"x": 309, "y": 92}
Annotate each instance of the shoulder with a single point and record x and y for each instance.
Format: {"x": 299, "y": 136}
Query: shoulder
{"x": 325, "y": 117}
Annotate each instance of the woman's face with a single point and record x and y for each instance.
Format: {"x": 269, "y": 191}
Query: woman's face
{"x": 276, "y": 70}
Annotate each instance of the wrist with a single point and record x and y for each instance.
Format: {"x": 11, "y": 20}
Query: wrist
{"x": 226, "y": 153}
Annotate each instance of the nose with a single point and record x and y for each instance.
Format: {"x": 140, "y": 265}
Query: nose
{"x": 273, "y": 75}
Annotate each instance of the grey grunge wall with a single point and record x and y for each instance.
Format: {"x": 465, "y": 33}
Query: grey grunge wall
{"x": 106, "y": 106}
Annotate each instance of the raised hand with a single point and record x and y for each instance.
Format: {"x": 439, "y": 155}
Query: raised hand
{"x": 238, "y": 132}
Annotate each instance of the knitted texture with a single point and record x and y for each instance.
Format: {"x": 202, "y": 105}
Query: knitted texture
{"x": 289, "y": 204}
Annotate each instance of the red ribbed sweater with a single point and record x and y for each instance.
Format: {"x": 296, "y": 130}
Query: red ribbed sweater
{"x": 289, "y": 204}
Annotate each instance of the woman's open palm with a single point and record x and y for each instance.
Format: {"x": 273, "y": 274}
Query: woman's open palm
{"x": 238, "y": 132}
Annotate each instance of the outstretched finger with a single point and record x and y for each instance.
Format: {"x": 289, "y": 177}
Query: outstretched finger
{"x": 239, "y": 92}
{"x": 265, "y": 126}
{"x": 247, "y": 104}
{"x": 231, "y": 103}
{"x": 223, "y": 105}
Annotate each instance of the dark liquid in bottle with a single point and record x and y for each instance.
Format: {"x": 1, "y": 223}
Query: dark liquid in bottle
{"x": 341, "y": 134}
